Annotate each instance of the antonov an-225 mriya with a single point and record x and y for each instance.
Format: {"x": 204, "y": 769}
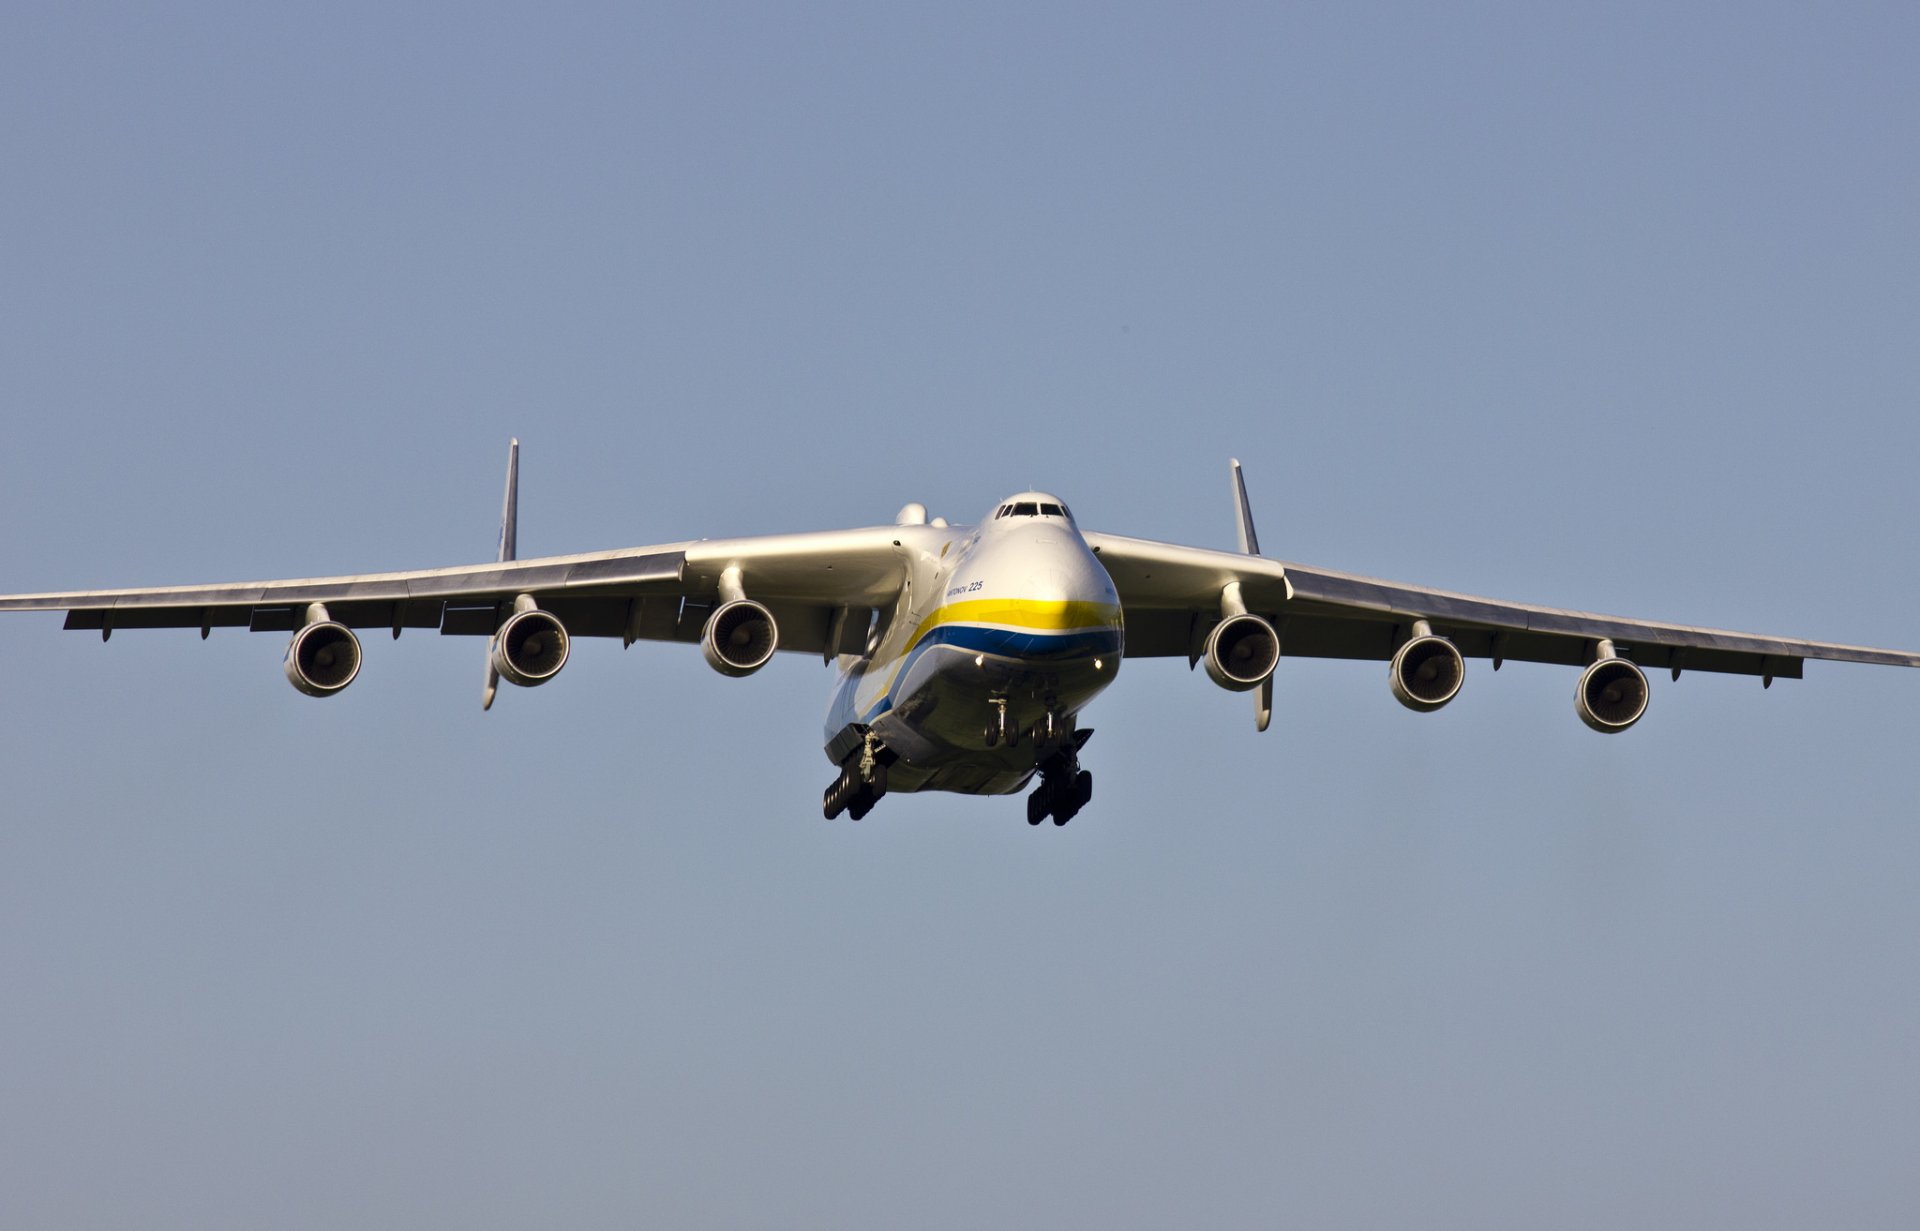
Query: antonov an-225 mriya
{"x": 965, "y": 653}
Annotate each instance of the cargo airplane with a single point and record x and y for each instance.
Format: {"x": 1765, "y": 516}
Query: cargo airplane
{"x": 965, "y": 654}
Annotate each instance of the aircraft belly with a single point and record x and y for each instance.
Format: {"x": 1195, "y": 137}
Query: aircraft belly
{"x": 947, "y": 700}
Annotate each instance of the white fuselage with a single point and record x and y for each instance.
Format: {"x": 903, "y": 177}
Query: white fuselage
{"x": 1003, "y": 632}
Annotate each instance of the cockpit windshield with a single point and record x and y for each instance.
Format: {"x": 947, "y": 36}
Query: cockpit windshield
{"x": 1032, "y": 508}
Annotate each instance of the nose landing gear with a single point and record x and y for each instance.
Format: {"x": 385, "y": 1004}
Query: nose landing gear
{"x": 998, "y": 729}
{"x": 862, "y": 780}
{"x": 1064, "y": 788}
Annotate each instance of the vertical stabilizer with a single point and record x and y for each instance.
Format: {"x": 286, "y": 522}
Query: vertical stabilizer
{"x": 1243, "y": 512}
{"x": 510, "y": 508}
{"x": 1250, "y": 545}
{"x": 509, "y": 550}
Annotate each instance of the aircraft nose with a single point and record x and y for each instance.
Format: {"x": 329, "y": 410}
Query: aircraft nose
{"x": 1059, "y": 573}
{"x": 1051, "y": 585}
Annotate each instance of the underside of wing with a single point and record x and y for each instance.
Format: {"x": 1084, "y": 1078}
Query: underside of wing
{"x": 822, "y": 590}
{"x": 1172, "y": 599}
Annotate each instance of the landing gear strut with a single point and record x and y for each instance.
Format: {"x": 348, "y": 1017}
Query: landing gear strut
{"x": 862, "y": 780}
{"x": 1064, "y": 788}
{"x": 998, "y": 730}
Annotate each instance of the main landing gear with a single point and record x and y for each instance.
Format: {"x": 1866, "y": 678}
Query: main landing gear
{"x": 862, "y": 780}
{"x": 1064, "y": 788}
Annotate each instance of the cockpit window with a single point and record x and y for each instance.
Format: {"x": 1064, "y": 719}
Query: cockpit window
{"x": 1032, "y": 508}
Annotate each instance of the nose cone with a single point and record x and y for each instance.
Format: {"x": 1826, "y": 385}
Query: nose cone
{"x": 1054, "y": 566}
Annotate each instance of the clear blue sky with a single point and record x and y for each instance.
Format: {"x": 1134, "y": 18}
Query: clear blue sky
{"x": 1610, "y": 309}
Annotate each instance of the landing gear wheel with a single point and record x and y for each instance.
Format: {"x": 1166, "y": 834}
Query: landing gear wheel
{"x": 1037, "y": 806}
{"x": 839, "y": 794}
{"x": 862, "y": 781}
{"x": 1067, "y": 795}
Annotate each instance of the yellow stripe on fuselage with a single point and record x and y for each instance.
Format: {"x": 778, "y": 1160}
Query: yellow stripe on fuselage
{"x": 1043, "y": 615}
{"x": 1039, "y": 614}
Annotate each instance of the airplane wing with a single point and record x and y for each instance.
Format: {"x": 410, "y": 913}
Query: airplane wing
{"x": 820, "y": 587}
{"x": 1171, "y": 597}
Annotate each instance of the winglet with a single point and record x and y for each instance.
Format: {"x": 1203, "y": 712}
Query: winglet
{"x": 509, "y": 549}
{"x": 1243, "y": 512}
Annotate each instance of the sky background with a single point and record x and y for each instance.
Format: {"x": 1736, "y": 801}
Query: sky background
{"x": 1617, "y": 310}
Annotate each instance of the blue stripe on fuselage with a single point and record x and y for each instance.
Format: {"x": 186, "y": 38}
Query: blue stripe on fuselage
{"x": 1048, "y": 647}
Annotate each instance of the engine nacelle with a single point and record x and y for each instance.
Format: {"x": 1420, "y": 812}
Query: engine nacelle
{"x": 531, "y": 647}
{"x": 323, "y": 658}
{"x": 1612, "y": 695}
{"x": 740, "y": 637}
{"x": 1426, "y": 673}
{"x": 1241, "y": 652}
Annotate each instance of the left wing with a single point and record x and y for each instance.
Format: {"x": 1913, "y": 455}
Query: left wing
{"x": 1175, "y": 598}
{"x": 1171, "y": 598}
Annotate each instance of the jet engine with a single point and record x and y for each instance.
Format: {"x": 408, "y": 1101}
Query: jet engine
{"x": 1612, "y": 695}
{"x": 323, "y": 658}
{"x": 1426, "y": 673}
{"x": 740, "y": 637}
{"x": 1242, "y": 651}
{"x": 531, "y": 647}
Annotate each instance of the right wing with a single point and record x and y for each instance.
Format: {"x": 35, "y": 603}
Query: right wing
{"x": 836, "y": 583}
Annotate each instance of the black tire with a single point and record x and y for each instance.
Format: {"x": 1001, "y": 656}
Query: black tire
{"x": 1037, "y": 807}
{"x": 838, "y": 795}
{"x": 878, "y": 785}
{"x": 1083, "y": 787}
{"x": 861, "y": 805}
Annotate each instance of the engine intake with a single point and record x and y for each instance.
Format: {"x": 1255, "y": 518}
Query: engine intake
{"x": 323, "y": 658}
{"x": 1242, "y": 651}
{"x": 1427, "y": 673}
{"x": 1612, "y": 695}
{"x": 531, "y": 647}
{"x": 740, "y": 637}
